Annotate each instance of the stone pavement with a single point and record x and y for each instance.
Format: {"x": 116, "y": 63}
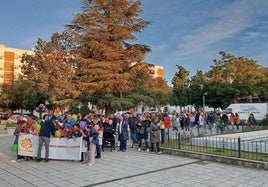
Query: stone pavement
{"x": 130, "y": 168}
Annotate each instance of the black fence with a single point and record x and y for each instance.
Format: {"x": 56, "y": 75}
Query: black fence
{"x": 252, "y": 149}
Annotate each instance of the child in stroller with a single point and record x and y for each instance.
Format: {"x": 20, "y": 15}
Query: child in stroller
{"x": 108, "y": 138}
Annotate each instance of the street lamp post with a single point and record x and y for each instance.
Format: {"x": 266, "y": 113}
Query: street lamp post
{"x": 204, "y": 101}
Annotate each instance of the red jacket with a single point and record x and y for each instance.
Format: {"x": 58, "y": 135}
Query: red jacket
{"x": 167, "y": 122}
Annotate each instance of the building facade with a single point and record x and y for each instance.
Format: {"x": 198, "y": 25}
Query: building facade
{"x": 10, "y": 63}
{"x": 157, "y": 71}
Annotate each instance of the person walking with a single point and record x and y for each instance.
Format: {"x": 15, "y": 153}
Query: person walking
{"x": 47, "y": 130}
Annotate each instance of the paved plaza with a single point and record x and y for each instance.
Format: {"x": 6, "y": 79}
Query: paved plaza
{"x": 130, "y": 168}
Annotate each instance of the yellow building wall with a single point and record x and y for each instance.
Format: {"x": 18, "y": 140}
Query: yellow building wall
{"x": 10, "y": 63}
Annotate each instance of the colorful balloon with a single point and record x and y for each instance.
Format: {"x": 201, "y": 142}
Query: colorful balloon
{"x": 72, "y": 121}
{"x": 57, "y": 134}
{"x": 74, "y": 116}
{"x": 38, "y": 127}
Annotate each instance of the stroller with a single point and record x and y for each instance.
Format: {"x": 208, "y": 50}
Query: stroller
{"x": 108, "y": 138}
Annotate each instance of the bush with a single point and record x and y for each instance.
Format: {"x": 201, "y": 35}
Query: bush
{"x": 264, "y": 122}
{"x": 11, "y": 125}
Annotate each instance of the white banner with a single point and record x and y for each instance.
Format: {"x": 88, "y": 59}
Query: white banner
{"x": 59, "y": 148}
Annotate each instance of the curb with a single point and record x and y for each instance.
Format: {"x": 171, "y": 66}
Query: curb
{"x": 218, "y": 158}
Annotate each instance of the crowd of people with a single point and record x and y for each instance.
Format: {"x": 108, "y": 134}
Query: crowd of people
{"x": 99, "y": 131}
{"x": 95, "y": 130}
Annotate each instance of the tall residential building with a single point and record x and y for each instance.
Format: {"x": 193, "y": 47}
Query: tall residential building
{"x": 10, "y": 63}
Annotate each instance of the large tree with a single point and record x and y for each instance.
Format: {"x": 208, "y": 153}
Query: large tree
{"x": 180, "y": 83}
{"x": 237, "y": 77}
{"x": 197, "y": 87}
{"x": 21, "y": 95}
{"x": 52, "y": 69}
{"x": 102, "y": 34}
{"x": 230, "y": 69}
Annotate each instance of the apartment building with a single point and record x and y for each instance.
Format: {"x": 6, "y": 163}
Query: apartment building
{"x": 157, "y": 71}
{"x": 10, "y": 63}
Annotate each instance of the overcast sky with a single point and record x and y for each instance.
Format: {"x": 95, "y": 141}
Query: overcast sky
{"x": 190, "y": 33}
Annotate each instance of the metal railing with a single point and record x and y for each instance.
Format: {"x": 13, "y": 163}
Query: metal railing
{"x": 252, "y": 149}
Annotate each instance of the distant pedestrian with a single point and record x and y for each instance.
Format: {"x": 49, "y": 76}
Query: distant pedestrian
{"x": 175, "y": 122}
{"x": 237, "y": 120}
{"x": 251, "y": 120}
{"x": 232, "y": 120}
{"x": 225, "y": 120}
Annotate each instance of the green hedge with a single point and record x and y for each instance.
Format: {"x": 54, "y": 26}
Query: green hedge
{"x": 11, "y": 125}
{"x": 264, "y": 122}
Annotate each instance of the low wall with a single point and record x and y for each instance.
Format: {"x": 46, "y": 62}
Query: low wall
{"x": 217, "y": 158}
{"x": 3, "y": 129}
{"x": 10, "y": 130}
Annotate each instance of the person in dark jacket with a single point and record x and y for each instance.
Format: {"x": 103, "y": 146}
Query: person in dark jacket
{"x": 142, "y": 131}
{"x": 47, "y": 130}
{"x": 225, "y": 120}
{"x": 133, "y": 121}
{"x": 122, "y": 130}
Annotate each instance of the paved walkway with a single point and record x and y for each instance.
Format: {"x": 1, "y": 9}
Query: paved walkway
{"x": 130, "y": 168}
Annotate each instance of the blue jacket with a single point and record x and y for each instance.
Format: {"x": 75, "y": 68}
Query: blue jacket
{"x": 47, "y": 129}
{"x": 94, "y": 133}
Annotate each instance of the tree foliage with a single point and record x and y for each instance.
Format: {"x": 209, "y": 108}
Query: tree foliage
{"x": 231, "y": 69}
{"x": 21, "y": 95}
{"x": 103, "y": 55}
{"x": 230, "y": 78}
{"x": 180, "y": 77}
{"x": 52, "y": 69}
